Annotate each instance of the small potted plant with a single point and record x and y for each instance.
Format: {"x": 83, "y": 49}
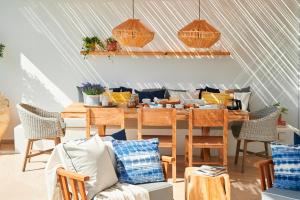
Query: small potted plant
{"x": 91, "y": 93}
{"x": 283, "y": 110}
{"x": 1, "y": 50}
{"x": 111, "y": 44}
{"x": 91, "y": 44}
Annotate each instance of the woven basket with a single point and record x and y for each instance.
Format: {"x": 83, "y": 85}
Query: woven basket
{"x": 4, "y": 115}
{"x": 199, "y": 34}
{"x": 132, "y": 33}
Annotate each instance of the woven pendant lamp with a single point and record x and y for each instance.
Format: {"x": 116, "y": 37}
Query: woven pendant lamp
{"x": 132, "y": 32}
{"x": 199, "y": 34}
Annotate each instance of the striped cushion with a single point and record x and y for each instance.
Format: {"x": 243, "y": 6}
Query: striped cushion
{"x": 138, "y": 161}
{"x": 287, "y": 166}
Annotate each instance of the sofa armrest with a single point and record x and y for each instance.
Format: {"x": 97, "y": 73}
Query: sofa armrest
{"x": 76, "y": 182}
{"x": 266, "y": 168}
{"x": 166, "y": 161}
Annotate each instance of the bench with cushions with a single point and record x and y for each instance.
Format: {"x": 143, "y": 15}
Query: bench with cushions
{"x": 157, "y": 190}
{"x": 80, "y": 161}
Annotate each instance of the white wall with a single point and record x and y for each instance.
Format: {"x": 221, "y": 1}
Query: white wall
{"x": 42, "y": 64}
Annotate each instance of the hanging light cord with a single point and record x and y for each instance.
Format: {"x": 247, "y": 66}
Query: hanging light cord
{"x": 199, "y": 8}
{"x": 132, "y": 9}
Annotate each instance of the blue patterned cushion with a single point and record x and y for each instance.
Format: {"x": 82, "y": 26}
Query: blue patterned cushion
{"x": 287, "y": 166}
{"x": 138, "y": 161}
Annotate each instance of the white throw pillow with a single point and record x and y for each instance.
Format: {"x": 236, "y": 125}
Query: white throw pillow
{"x": 244, "y": 97}
{"x": 91, "y": 158}
{"x": 183, "y": 95}
{"x": 107, "y": 140}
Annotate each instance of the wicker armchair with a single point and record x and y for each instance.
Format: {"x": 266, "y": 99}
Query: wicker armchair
{"x": 262, "y": 127}
{"x": 39, "y": 124}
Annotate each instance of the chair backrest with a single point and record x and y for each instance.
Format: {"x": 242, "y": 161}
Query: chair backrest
{"x": 35, "y": 122}
{"x": 205, "y": 118}
{"x": 156, "y": 117}
{"x": 208, "y": 118}
{"x": 105, "y": 117}
{"x": 264, "y": 112}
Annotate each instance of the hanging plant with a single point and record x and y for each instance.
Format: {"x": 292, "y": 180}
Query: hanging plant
{"x": 91, "y": 44}
{"x": 2, "y": 46}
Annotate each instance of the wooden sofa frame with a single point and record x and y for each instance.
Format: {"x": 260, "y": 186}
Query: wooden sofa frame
{"x": 266, "y": 169}
{"x": 77, "y": 185}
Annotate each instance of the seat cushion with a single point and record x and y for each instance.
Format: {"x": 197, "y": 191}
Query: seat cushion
{"x": 159, "y": 190}
{"x": 280, "y": 194}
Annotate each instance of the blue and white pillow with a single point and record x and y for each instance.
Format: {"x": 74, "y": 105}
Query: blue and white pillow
{"x": 287, "y": 166}
{"x": 138, "y": 161}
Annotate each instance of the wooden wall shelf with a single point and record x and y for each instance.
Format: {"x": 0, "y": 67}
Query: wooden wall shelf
{"x": 159, "y": 53}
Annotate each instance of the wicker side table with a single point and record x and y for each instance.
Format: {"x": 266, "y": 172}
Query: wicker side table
{"x": 201, "y": 187}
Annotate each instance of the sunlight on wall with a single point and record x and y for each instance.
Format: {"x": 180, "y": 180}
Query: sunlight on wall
{"x": 262, "y": 36}
{"x": 34, "y": 73}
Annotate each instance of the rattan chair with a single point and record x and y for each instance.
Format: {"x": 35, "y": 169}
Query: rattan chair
{"x": 39, "y": 124}
{"x": 262, "y": 127}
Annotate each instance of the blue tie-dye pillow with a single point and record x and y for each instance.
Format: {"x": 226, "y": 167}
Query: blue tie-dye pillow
{"x": 287, "y": 166}
{"x": 138, "y": 161}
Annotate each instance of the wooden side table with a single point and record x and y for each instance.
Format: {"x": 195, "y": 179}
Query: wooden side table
{"x": 201, "y": 187}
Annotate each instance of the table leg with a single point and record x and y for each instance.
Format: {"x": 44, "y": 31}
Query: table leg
{"x": 101, "y": 130}
{"x": 206, "y": 152}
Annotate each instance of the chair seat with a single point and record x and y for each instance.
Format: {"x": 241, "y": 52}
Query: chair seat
{"x": 164, "y": 140}
{"x": 159, "y": 190}
{"x": 207, "y": 141}
{"x": 282, "y": 194}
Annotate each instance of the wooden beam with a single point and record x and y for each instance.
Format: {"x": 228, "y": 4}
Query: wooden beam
{"x": 159, "y": 53}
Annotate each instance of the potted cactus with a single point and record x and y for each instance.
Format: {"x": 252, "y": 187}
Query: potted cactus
{"x": 91, "y": 93}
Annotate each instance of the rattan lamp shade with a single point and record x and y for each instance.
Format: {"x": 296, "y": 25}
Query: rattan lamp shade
{"x": 132, "y": 33}
{"x": 199, "y": 34}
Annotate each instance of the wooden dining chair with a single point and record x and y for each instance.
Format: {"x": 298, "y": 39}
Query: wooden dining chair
{"x": 102, "y": 117}
{"x": 160, "y": 117}
{"x": 205, "y": 119}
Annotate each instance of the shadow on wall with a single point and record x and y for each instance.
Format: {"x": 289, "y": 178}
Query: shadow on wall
{"x": 262, "y": 36}
{"x": 249, "y": 30}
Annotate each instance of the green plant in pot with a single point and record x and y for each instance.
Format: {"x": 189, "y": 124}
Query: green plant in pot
{"x": 91, "y": 93}
{"x": 283, "y": 110}
{"x": 91, "y": 44}
{"x": 2, "y": 46}
{"x": 111, "y": 44}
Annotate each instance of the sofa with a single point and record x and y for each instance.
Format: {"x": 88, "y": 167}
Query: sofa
{"x": 271, "y": 193}
{"x": 157, "y": 190}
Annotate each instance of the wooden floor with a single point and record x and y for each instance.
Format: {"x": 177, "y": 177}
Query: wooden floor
{"x": 16, "y": 185}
